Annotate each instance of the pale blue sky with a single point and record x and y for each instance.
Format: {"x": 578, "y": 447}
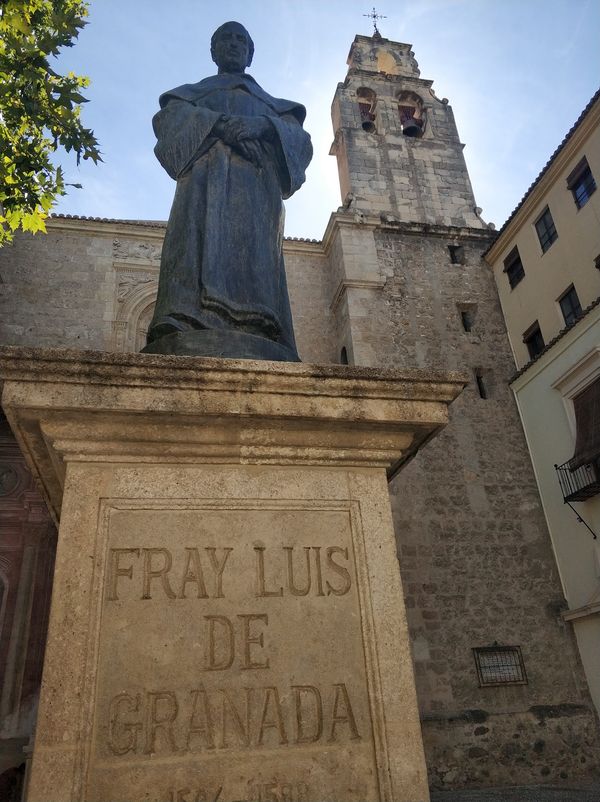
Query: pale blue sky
{"x": 517, "y": 74}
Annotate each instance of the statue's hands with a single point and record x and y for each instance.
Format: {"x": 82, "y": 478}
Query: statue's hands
{"x": 251, "y": 150}
{"x": 247, "y": 128}
{"x": 243, "y": 135}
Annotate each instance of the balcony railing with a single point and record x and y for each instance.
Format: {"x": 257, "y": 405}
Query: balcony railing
{"x": 580, "y": 484}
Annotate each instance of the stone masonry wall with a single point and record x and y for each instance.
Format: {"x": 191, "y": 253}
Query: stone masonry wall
{"x": 73, "y": 288}
{"x": 475, "y": 556}
{"x": 56, "y": 290}
{"x": 474, "y": 552}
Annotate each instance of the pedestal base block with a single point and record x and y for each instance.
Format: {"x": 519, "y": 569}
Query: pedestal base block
{"x": 227, "y": 620}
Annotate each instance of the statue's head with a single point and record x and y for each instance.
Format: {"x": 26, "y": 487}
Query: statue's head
{"x": 231, "y": 47}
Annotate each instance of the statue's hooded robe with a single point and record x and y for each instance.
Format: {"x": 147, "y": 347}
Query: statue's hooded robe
{"x": 222, "y": 262}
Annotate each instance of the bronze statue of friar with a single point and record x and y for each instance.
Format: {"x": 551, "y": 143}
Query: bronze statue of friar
{"x": 235, "y": 153}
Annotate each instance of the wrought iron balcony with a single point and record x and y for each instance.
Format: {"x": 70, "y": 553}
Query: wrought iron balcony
{"x": 580, "y": 484}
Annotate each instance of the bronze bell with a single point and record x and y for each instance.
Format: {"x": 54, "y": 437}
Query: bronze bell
{"x": 411, "y": 127}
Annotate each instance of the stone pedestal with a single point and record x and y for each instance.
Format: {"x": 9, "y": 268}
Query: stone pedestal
{"x": 227, "y": 619}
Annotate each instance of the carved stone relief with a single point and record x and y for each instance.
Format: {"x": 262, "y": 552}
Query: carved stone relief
{"x": 136, "y": 251}
{"x": 136, "y": 265}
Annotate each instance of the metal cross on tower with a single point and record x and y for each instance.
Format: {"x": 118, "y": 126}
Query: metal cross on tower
{"x": 375, "y": 16}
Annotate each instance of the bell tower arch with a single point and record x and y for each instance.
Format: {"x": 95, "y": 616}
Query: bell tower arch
{"x": 396, "y": 142}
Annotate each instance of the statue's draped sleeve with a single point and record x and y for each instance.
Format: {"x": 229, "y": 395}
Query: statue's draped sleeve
{"x": 296, "y": 150}
{"x": 183, "y": 132}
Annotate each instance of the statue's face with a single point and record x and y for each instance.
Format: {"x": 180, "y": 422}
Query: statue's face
{"x": 230, "y": 49}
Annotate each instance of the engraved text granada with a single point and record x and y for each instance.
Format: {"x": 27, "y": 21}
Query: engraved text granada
{"x": 233, "y": 630}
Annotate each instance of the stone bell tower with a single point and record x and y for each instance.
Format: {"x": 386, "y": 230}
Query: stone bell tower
{"x": 396, "y": 142}
{"x": 410, "y": 289}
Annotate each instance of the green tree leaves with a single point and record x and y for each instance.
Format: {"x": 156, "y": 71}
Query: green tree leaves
{"x": 39, "y": 109}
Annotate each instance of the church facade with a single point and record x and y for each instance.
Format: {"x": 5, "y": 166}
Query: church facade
{"x": 397, "y": 281}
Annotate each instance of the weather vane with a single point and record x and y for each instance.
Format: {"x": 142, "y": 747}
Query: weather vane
{"x": 375, "y": 16}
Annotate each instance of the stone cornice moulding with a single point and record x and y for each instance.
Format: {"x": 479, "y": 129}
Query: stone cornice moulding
{"x": 74, "y": 406}
{"x": 303, "y": 247}
{"x": 133, "y": 230}
{"x": 374, "y": 222}
{"x": 156, "y": 231}
{"x": 354, "y": 283}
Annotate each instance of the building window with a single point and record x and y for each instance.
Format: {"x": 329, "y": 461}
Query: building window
{"x": 513, "y": 267}
{"x": 457, "y": 254}
{"x": 581, "y": 183}
{"x": 468, "y": 313}
{"x": 586, "y": 406}
{"x": 482, "y": 389}
{"x": 344, "y": 356}
{"x": 500, "y": 665}
{"x": 546, "y": 230}
{"x": 569, "y": 305}
{"x": 533, "y": 340}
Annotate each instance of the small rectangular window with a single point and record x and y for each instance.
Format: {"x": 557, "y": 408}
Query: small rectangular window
{"x": 569, "y": 305}
{"x": 481, "y": 385}
{"x": 581, "y": 183}
{"x": 546, "y": 229}
{"x": 467, "y": 320}
{"x": 513, "y": 267}
{"x": 500, "y": 665}
{"x": 534, "y": 340}
{"x": 457, "y": 254}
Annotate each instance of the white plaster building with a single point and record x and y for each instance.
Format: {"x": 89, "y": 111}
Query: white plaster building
{"x": 546, "y": 262}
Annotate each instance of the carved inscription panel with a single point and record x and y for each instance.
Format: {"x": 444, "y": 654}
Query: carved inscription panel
{"x": 231, "y": 659}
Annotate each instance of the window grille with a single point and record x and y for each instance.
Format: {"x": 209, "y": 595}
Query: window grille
{"x": 500, "y": 665}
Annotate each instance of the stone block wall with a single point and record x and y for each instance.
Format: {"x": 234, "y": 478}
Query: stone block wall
{"x": 474, "y": 552}
{"x": 91, "y": 284}
{"x": 475, "y": 555}
{"x": 56, "y": 290}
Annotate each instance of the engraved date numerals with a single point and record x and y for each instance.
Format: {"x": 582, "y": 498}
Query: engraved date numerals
{"x": 192, "y": 795}
{"x": 257, "y": 792}
{"x": 277, "y": 792}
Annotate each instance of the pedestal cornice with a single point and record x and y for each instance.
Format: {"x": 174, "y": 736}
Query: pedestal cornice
{"x": 97, "y": 407}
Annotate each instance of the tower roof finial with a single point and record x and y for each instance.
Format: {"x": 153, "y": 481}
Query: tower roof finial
{"x": 375, "y": 16}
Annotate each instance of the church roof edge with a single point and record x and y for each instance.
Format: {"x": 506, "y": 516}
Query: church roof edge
{"x": 145, "y": 223}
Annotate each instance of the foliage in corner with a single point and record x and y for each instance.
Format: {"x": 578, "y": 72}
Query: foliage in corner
{"x": 39, "y": 109}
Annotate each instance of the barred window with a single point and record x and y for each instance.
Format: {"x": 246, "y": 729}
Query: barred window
{"x": 500, "y": 665}
{"x": 546, "y": 230}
